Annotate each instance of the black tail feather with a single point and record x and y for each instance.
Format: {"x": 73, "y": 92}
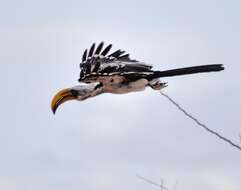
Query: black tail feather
{"x": 188, "y": 70}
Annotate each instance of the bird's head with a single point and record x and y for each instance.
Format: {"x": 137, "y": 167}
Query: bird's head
{"x": 80, "y": 92}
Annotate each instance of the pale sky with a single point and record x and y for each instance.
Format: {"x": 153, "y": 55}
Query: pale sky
{"x": 104, "y": 142}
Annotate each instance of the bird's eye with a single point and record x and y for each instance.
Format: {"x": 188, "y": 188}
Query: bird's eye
{"x": 74, "y": 93}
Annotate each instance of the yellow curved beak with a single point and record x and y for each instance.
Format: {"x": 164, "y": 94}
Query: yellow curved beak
{"x": 61, "y": 97}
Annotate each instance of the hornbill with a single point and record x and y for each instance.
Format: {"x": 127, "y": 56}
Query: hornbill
{"x": 101, "y": 72}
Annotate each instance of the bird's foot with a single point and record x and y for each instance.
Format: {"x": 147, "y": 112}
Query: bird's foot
{"x": 158, "y": 85}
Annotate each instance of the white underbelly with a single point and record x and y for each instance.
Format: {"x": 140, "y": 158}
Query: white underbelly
{"x": 121, "y": 88}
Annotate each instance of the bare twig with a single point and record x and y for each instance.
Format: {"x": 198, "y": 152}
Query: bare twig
{"x": 153, "y": 183}
{"x": 162, "y": 183}
{"x": 199, "y": 123}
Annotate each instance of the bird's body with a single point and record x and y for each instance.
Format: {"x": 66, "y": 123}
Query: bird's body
{"x": 118, "y": 84}
{"x": 117, "y": 73}
{"x": 120, "y": 74}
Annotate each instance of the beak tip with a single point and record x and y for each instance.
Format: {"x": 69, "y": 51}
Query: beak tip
{"x": 61, "y": 97}
{"x": 53, "y": 110}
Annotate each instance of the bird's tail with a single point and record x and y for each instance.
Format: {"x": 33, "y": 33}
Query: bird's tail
{"x": 188, "y": 70}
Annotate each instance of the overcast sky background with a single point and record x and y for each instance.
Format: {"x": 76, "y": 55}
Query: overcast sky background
{"x": 104, "y": 142}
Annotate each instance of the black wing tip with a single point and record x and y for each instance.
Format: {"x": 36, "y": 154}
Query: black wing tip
{"x": 106, "y": 50}
{"x": 92, "y": 48}
{"x": 99, "y": 48}
{"x": 84, "y": 56}
{"x": 118, "y": 54}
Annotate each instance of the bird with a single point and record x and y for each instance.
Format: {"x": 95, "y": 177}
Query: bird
{"x": 116, "y": 73}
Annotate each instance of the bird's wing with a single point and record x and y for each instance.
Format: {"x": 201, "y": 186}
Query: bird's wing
{"x": 97, "y": 61}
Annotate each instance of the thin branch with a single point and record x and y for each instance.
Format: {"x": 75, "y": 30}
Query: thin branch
{"x": 153, "y": 183}
{"x": 199, "y": 123}
{"x": 162, "y": 183}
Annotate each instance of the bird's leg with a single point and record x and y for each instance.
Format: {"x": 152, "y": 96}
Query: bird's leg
{"x": 157, "y": 84}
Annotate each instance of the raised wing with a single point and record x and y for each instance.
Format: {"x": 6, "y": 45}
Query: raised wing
{"x": 97, "y": 61}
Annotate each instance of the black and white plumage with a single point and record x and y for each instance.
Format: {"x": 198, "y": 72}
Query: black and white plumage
{"x": 97, "y": 62}
{"x": 120, "y": 74}
{"x": 104, "y": 72}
